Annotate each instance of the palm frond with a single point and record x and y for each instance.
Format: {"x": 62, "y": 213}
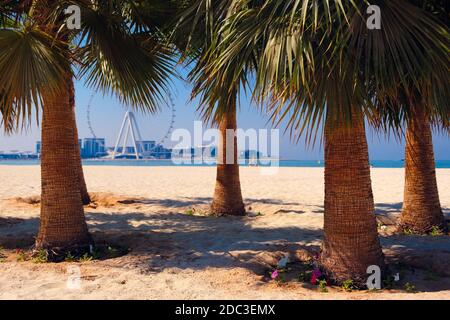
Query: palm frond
{"x": 30, "y": 62}
{"x": 116, "y": 59}
{"x": 320, "y": 61}
{"x": 216, "y": 81}
{"x": 408, "y": 58}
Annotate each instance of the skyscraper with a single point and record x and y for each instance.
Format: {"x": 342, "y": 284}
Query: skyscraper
{"x": 38, "y": 147}
{"x": 93, "y": 147}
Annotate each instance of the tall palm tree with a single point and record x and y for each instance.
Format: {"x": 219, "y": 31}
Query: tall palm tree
{"x": 219, "y": 90}
{"x": 12, "y": 11}
{"x": 297, "y": 72}
{"x": 322, "y": 67}
{"x": 421, "y": 210}
{"x": 114, "y": 54}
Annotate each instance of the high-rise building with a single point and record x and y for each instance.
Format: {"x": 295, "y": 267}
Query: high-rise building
{"x": 147, "y": 145}
{"x": 38, "y": 147}
{"x": 159, "y": 152}
{"x": 93, "y": 147}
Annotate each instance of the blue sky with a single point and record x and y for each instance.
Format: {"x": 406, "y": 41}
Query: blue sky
{"x": 107, "y": 114}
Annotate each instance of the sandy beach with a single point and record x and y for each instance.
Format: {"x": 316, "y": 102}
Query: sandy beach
{"x": 176, "y": 252}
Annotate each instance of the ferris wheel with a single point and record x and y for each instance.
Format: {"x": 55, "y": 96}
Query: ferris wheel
{"x": 130, "y": 128}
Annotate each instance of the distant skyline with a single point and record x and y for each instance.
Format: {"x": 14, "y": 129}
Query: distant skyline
{"x": 107, "y": 114}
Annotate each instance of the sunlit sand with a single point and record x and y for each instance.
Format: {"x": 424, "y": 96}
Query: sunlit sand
{"x": 177, "y": 252}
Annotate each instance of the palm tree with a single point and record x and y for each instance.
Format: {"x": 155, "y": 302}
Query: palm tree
{"x": 421, "y": 210}
{"x": 11, "y": 11}
{"x": 114, "y": 54}
{"x": 322, "y": 67}
{"x": 227, "y": 199}
{"x": 219, "y": 90}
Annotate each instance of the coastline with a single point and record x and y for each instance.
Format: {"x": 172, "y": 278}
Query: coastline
{"x": 284, "y": 163}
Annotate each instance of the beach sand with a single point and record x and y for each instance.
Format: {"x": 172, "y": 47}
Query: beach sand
{"x": 176, "y": 252}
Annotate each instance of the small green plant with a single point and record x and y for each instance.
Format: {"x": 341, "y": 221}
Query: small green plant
{"x": 436, "y": 231}
{"x": 95, "y": 254}
{"x": 380, "y": 225}
{"x": 323, "y": 286}
{"x": 389, "y": 282}
{"x": 21, "y": 256}
{"x": 40, "y": 256}
{"x": 408, "y": 231}
{"x": 69, "y": 258}
{"x": 410, "y": 288}
{"x": 347, "y": 285}
{"x": 189, "y": 212}
{"x": 85, "y": 258}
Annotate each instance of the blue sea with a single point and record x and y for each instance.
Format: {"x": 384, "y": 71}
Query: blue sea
{"x": 169, "y": 163}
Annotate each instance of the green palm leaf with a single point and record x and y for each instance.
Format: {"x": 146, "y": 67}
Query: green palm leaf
{"x": 320, "y": 61}
{"x": 115, "y": 52}
{"x": 114, "y": 58}
{"x": 30, "y": 62}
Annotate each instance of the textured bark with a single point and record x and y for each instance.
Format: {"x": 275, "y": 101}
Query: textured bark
{"x": 62, "y": 222}
{"x": 85, "y": 198}
{"x": 351, "y": 241}
{"x": 227, "y": 198}
{"x": 421, "y": 207}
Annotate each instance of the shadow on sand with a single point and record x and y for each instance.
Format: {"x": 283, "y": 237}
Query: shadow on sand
{"x": 163, "y": 240}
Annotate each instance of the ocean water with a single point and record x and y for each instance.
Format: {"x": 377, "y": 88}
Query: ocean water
{"x": 169, "y": 163}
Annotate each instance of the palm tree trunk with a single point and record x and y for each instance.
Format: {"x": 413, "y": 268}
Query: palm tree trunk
{"x": 227, "y": 198}
{"x": 85, "y": 198}
{"x": 351, "y": 241}
{"x": 62, "y": 224}
{"x": 421, "y": 207}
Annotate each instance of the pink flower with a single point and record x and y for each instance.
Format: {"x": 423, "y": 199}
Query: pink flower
{"x": 317, "y": 272}
{"x": 313, "y": 279}
{"x": 274, "y": 274}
